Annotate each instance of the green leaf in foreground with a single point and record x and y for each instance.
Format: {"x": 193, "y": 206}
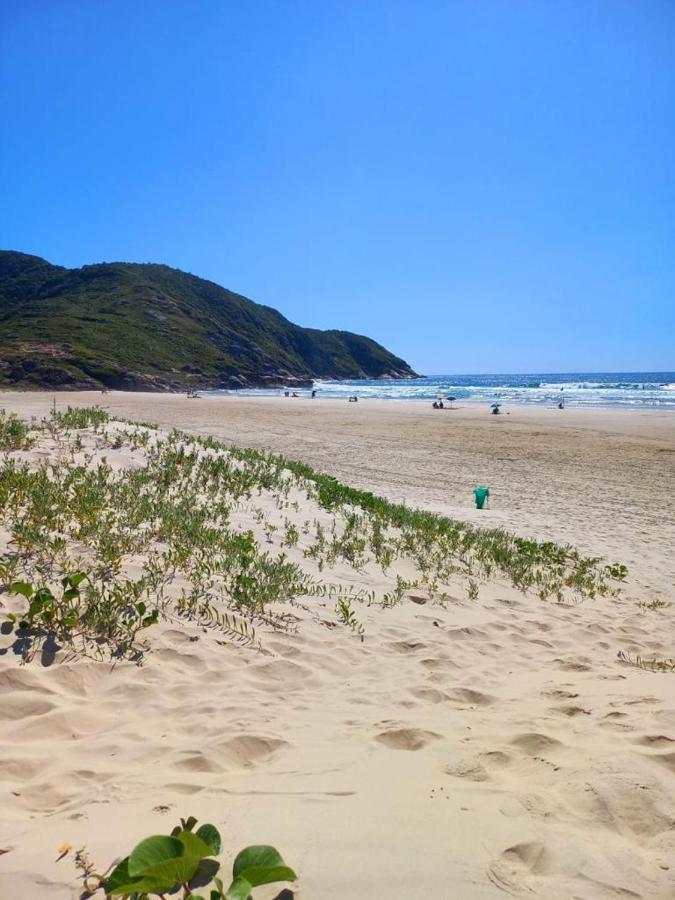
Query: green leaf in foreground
{"x": 120, "y": 882}
{"x": 239, "y": 889}
{"x": 193, "y": 845}
{"x": 205, "y": 873}
{"x": 261, "y": 865}
{"x": 159, "y": 863}
{"x": 154, "y": 851}
{"x": 180, "y": 864}
{"x": 209, "y": 834}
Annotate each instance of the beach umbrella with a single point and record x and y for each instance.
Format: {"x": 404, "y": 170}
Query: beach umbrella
{"x": 495, "y": 405}
{"x": 451, "y": 400}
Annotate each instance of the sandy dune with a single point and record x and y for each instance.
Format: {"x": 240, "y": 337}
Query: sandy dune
{"x": 602, "y": 480}
{"x": 468, "y": 750}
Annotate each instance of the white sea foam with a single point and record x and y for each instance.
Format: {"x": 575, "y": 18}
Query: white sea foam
{"x": 628, "y": 390}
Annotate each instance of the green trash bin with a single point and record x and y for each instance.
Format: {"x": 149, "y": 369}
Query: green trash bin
{"x": 481, "y": 494}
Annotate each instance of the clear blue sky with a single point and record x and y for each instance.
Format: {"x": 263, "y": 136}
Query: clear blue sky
{"x": 482, "y": 185}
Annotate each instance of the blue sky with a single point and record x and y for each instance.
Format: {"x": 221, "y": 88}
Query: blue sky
{"x": 483, "y": 186}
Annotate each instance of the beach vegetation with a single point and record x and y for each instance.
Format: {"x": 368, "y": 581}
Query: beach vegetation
{"x": 97, "y": 554}
{"x": 82, "y": 613}
{"x": 347, "y": 616}
{"x": 654, "y": 603}
{"x": 81, "y": 417}
{"x": 14, "y": 432}
{"x": 183, "y": 864}
{"x": 649, "y": 664}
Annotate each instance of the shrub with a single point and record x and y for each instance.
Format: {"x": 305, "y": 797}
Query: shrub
{"x": 112, "y": 613}
{"x": 14, "y": 433}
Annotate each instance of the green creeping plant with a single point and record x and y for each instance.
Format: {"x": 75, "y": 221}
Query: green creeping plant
{"x": 179, "y": 505}
{"x": 617, "y": 571}
{"x": 83, "y": 610}
{"x": 14, "y": 433}
{"x": 182, "y": 864}
{"x": 347, "y": 616}
{"x": 56, "y": 615}
{"x": 81, "y": 417}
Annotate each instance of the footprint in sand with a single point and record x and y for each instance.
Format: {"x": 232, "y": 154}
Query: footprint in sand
{"x": 621, "y": 804}
{"x": 469, "y": 697}
{"x": 183, "y": 789}
{"x": 406, "y": 738}
{"x": 248, "y": 750}
{"x": 534, "y": 743}
{"x": 436, "y": 663}
{"x": 282, "y": 675}
{"x": 559, "y": 694}
{"x": 407, "y": 646}
{"x": 496, "y": 758}
{"x": 468, "y": 769}
{"x": 573, "y": 665}
{"x": 431, "y": 695}
{"x": 570, "y": 711}
{"x": 518, "y": 863}
{"x": 654, "y": 740}
{"x": 15, "y": 707}
{"x": 196, "y": 761}
{"x": 181, "y": 660}
{"x": 615, "y": 720}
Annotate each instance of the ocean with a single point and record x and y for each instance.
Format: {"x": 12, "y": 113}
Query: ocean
{"x": 624, "y": 390}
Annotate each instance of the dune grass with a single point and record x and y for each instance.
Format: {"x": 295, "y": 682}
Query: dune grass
{"x": 14, "y": 432}
{"x": 184, "y": 527}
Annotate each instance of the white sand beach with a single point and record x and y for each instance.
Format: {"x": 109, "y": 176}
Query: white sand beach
{"x": 468, "y": 748}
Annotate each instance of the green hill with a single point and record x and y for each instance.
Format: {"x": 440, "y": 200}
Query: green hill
{"x": 149, "y": 327}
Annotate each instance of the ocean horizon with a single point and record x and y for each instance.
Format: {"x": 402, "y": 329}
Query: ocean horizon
{"x": 624, "y": 390}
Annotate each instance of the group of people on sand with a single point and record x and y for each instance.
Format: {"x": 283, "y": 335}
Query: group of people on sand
{"x": 296, "y": 394}
{"x": 352, "y": 398}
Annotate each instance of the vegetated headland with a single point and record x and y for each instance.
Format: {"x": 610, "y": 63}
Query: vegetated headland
{"x": 149, "y": 327}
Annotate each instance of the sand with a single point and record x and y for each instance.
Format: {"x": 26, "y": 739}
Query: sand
{"x": 467, "y": 750}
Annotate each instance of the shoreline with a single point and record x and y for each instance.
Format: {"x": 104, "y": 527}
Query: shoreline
{"x": 206, "y": 394}
{"x": 459, "y": 403}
